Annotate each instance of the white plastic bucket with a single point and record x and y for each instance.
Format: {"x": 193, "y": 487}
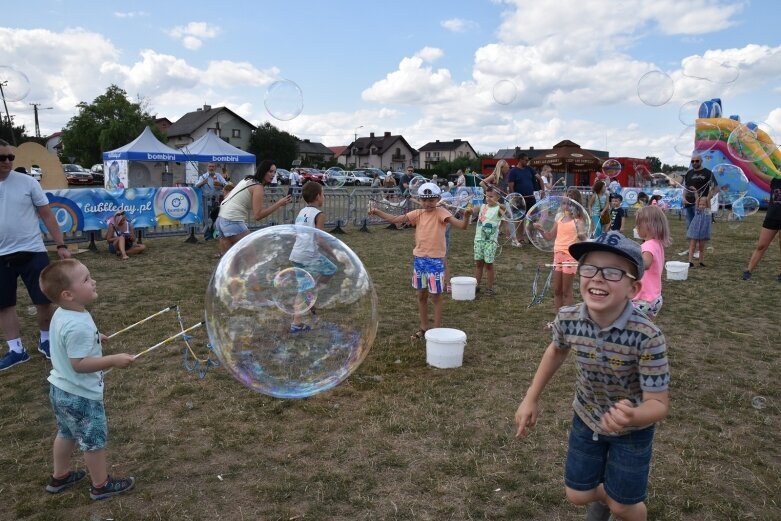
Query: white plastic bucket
{"x": 463, "y": 288}
{"x": 445, "y": 347}
{"x": 677, "y": 270}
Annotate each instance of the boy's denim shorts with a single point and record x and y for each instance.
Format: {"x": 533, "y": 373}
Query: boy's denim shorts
{"x": 230, "y": 228}
{"x": 622, "y": 463}
{"x": 79, "y": 419}
{"x": 322, "y": 267}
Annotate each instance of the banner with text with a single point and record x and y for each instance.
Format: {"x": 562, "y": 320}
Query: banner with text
{"x": 91, "y": 208}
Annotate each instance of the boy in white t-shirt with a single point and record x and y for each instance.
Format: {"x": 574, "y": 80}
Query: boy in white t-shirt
{"x": 306, "y": 250}
{"x": 76, "y": 390}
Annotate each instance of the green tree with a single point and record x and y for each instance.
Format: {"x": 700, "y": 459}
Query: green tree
{"x": 19, "y": 133}
{"x": 109, "y": 122}
{"x": 268, "y": 142}
{"x": 656, "y": 164}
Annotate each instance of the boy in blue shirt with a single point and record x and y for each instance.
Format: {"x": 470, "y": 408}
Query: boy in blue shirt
{"x": 621, "y": 386}
{"x": 76, "y": 390}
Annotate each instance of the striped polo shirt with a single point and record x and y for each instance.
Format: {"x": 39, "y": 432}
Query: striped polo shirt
{"x": 622, "y": 360}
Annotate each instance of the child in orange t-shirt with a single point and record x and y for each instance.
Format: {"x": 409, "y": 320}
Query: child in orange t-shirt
{"x": 567, "y": 230}
{"x": 429, "y": 253}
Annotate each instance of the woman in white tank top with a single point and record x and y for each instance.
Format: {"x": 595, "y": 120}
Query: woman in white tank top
{"x": 246, "y": 197}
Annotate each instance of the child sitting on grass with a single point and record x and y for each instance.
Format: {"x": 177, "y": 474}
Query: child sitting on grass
{"x": 486, "y": 237}
{"x": 429, "y": 252}
{"x": 76, "y": 390}
{"x": 621, "y": 387}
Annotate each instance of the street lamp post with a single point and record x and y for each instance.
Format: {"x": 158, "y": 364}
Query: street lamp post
{"x": 356, "y": 133}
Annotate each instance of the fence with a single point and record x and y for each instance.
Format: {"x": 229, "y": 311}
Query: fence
{"x": 343, "y": 206}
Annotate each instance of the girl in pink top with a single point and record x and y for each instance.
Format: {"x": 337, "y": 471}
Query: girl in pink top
{"x": 567, "y": 230}
{"x": 653, "y": 228}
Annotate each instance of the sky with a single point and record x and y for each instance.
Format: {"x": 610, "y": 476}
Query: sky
{"x": 615, "y": 75}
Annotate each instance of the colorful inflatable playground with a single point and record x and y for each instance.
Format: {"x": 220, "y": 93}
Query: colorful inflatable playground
{"x": 742, "y": 156}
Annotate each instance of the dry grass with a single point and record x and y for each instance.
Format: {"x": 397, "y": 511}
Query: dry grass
{"x": 400, "y": 440}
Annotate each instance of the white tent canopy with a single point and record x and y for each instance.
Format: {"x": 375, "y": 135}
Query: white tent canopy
{"x": 144, "y": 162}
{"x": 210, "y": 148}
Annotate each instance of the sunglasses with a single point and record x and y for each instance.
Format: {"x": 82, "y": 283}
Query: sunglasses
{"x": 7, "y": 157}
{"x": 696, "y": 161}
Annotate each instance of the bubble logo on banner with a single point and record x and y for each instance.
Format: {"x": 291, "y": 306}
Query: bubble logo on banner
{"x": 69, "y": 216}
{"x": 174, "y": 204}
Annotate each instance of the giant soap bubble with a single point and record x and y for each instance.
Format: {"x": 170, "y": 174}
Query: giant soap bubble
{"x": 544, "y": 218}
{"x": 286, "y": 329}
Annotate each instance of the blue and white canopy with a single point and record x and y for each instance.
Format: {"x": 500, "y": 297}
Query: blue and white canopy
{"x": 145, "y": 147}
{"x": 210, "y": 148}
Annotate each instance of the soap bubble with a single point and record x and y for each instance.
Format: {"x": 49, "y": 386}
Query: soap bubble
{"x": 689, "y": 112}
{"x": 731, "y": 180}
{"x": 284, "y": 100}
{"x": 16, "y": 85}
{"x": 543, "y": 216}
{"x": 751, "y": 142}
{"x": 505, "y": 92}
{"x": 335, "y": 180}
{"x": 745, "y": 206}
{"x": 655, "y": 88}
{"x": 514, "y": 207}
{"x": 265, "y": 346}
{"x": 706, "y": 134}
{"x": 611, "y": 168}
{"x": 415, "y": 183}
{"x": 701, "y": 68}
{"x": 759, "y": 402}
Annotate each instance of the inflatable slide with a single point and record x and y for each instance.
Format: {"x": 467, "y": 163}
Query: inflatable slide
{"x": 747, "y": 148}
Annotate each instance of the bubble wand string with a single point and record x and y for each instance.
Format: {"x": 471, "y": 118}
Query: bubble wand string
{"x": 150, "y": 317}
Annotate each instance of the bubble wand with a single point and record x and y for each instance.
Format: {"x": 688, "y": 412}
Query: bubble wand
{"x": 169, "y": 339}
{"x": 150, "y": 317}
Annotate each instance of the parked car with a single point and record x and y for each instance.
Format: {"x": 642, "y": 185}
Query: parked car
{"x": 310, "y": 174}
{"x": 371, "y": 171}
{"x": 77, "y": 174}
{"x": 36, "y": 173}
{"x": 356, "y": 178}
{"x": 283, "y": 176}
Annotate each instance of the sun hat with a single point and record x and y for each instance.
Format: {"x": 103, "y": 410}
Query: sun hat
{"x": 613, "y": 242}
{"x": 429, "y": 191}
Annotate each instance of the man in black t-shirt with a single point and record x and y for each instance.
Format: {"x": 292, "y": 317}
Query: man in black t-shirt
{"x": 405, "y": 179}
{"x": 698, "y": 182}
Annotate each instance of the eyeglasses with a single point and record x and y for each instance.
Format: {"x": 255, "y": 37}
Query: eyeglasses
{"x": 7, "y": 157}
{"x": 610, "y": 274}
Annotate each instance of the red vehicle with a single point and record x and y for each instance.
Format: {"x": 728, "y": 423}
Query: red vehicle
{"x": 310, "y": 174}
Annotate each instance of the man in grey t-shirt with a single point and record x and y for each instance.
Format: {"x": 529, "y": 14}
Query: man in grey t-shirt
{"x": 23, "y": 254}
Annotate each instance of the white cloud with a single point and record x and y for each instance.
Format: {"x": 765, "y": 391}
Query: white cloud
{"x": 430, "y": 54}
{"x": 459, "y": 25}
{"x": 192, "y": 35}
{"x": 130, "y": 14}
{"x": 411, "y": 83}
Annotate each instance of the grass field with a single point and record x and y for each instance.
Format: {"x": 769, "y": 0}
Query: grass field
{"x": 400, "y": 440}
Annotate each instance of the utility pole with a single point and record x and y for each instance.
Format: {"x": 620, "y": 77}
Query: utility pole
{"x": 37, "y": 127}
{"x": 7, "y": 115}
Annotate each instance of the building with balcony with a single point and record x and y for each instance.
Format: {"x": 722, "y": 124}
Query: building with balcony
{"x": 386, "y": 152}
{"x": 433, "y": 152}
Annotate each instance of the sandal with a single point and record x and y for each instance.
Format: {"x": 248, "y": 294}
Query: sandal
{"x": 702, "y": 265}
{"x": 418, "y": 335}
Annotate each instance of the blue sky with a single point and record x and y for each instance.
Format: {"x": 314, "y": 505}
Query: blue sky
{"x": 426, "y": 69}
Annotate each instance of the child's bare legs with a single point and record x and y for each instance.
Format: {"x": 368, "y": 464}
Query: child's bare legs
{"x": 765, "y": 238}
{"x": 489, "y": 270}
{"x": 423, "y": 308}
{"x": 436, "y": 299}
{"x": 62, "y": 451}
{"x": 479, "y": 271}
{"x": 446, "y": 279}
{"x": 692, "y": 246}
{"x": 558, "y": 289}
{"x": 97, "y": 467}
{"x": 636, "y": 512}
{"x": 702, "y": 252}
{"x": 567, "y": 282}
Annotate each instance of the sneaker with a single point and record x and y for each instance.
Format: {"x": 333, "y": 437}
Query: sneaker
{"x": 298, "y": 328}
{"x": 43, "y": 348}
{"x": 111, "y": 487}
{"x": 12, "y": 358}
{"x": 597, "y": 511}
{"x": 490, "y": 292}
{"x": 747, "y": 275}
{"x": 55, "y": 485}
